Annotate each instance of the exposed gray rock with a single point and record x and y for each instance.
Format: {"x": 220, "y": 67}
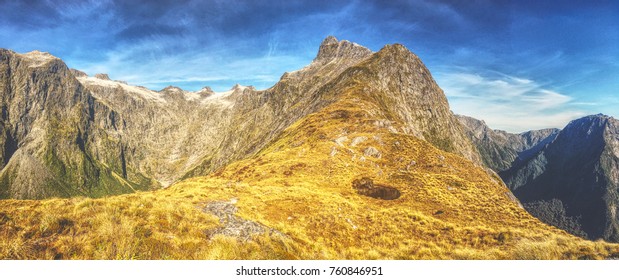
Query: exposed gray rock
{"x": 358, "y": 140}
{"x": 232, "y": 225}
{"x": 332, "y": 49}
{"x": 46, "y": 126}
{"x": 410, "y": 165}
{"x": 333, "y": 151}
{"x": 399, "y": 82}
{"x": 102, "y": 76}
{"x": 341, "y": 140}
{"x": 499, "y": 150}
{"x": 372, "y": 152}
{"x": 580, "y": 170}
{"x": 78, "y": 73}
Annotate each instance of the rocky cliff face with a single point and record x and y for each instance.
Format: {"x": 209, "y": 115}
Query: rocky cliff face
{"x": 46, "y": 124}
{"x": 172, "y": 134}
{"x": 500, "y": 150}
{"x": 146, "y": 138}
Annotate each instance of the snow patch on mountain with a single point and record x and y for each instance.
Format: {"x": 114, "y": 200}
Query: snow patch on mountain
{"x": 139, "y": 91}
{"x": 37, "y": 58}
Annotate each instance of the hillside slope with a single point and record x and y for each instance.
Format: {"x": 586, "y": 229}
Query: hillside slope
{"x": 573, "y": 182}
{"x": 567, "y": 178}
{"x": 296, "y": 199}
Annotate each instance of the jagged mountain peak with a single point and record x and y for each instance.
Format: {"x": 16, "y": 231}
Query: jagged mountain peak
{"x": 99, "y": 76}
{"x": 205, "y": 91}
{"x": 39, "y": 55}
{"x": 477, "y": 128}
{"x": 241, "y": 88}
{"x": 597, "y": 119}
{"x": 499, "y": 149}
{"x": 395, "y": 48}
{"x": 566, "y": 178}
{"x": 575, "y": 176}
{"x": 589, "y": 126}
{"x": 329, "y": 40}
{"x": 331, "y": 49}
{"x": 36, "y": 54}
{"x": 399, "y": 83}
{"x": 238, "y": 87}
{"x": 78, "y": 73}
{"x": 473, "y": 122}
{"x": 399, "y": 55}
{"x": 34, "y": 59}
{"x": 102, "y": 76}
{"x": 172, "y": 88}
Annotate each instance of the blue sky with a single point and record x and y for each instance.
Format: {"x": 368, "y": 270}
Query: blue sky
{"x": 518, "y": 65}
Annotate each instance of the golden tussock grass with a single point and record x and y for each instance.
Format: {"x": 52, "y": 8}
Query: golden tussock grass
{"x": 301, "y": 187}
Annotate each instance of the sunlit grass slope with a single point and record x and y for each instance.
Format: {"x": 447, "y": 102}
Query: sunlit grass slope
{"x": 300, "y": 187}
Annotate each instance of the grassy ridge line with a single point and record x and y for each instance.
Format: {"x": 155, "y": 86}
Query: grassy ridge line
{"x": 477, "y": 218}
{"x": 300, "y": 186}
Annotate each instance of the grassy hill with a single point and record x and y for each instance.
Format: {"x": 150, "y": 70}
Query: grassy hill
{"x": 295, "y": 200}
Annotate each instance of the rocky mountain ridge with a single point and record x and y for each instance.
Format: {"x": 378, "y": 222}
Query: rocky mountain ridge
{"x": 499, "y": 149}
{"x": 144, "y": 139}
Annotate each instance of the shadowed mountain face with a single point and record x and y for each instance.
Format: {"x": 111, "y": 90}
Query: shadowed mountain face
{"x": 568, "y": 179}
{"x": 94, "y": 136}
{"x": 500, "y": 150}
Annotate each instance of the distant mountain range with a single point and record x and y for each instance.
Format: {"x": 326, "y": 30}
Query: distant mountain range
{"x": 355, "y": 156}
{"x": 568, "y": 178}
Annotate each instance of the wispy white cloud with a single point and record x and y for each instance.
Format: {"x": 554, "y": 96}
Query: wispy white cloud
{"x": 506, "y": 102}
{"x": 151, "y": 64}
{"x": 217, "y": 43}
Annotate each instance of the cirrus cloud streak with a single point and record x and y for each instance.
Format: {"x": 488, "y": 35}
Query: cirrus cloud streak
{"x": 508, "y": 103}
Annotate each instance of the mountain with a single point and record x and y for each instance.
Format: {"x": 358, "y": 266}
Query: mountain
{"x": 573, "y": 181}
{"x": 47, "y": 122}
{"x": 174, "y": 134}
{"x": 144, "y": 139}
{"x": 356, "y": 156}
{"x": 566, "y": 178}
{"x": 500, "y": 150}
